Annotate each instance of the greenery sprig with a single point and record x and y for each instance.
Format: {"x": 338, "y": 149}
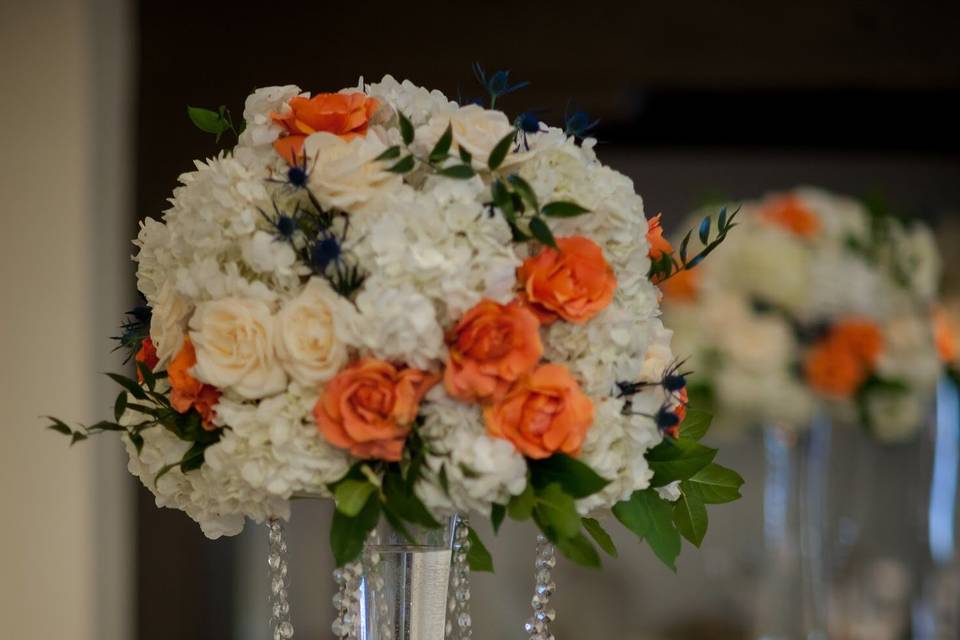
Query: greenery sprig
{"x": 670, "y": 264}
{"x": 437, "y": 161}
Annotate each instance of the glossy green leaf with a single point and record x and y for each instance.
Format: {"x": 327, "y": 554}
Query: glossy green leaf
{"x": 562, "y": 209}
{"x": 207, "y": 120}
{"x": 579, "y": 550}
{"x": 478, "y": 557}
{"x": 497, "y": 513}
{"x": 500, "y": 151}
{"x": 458, "y": 172}
{"x": 718, "y": 484}
{"x": 576, "y": 478}
{"x": 352, "y": 495}
{"x": 678, "y": 460}
{"x": 441, "y": 150}
{"x": 600, "y": 536}
{"x": 406, "y": 129}
{"x": 540, "y": 231}
{"x": 556, "y": 511}
{"x": 347, "y": 535}
{"x": 521, "y": 507}
{"x": 404, "y": 165}
{"x": 696, "y": 424}
{"x": 690, "y": 513}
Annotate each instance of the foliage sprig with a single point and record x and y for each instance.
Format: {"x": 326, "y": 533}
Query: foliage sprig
{"x": 670, "y": 264}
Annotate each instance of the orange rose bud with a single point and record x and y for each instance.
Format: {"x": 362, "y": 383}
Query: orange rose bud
{"x": 544, "y": 412}
{"x": 148, "y": 356}
{"x": 491, "y": 346}
{"x": 369, "y": 406}
{"x": 843, "y": 360}
{"x": 342, "y": 114}
{"x": 574, "y": 283}
{"x": 186, "y": 392}
{"x": 659, "y": 245}
{"x": 947, "y": 347}
{"x": 683, "y": 286}
{"x": 792, "y": 214}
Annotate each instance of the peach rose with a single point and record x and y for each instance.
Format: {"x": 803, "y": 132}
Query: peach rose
{"x": 791, "y": 213}
{"x": 683, "y": 286}
{"x": 186, "y": 392}
{"x": 342, "y": 114}
{"x": 844, "y": 359}
{"x": 491, "y": 346}
{"x": 947, "y": 347}
{"x": 543, "y": 412}
{"x": 574, "y": 283}
{"x": 369, "y": 406}
{"x": 659, "y": 245}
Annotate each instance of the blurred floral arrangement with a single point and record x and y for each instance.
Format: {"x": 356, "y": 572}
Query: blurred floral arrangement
{"x": 412, "y": 307}
{"x": 817, "y": 301}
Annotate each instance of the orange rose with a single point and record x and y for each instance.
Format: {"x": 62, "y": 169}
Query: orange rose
{"x": 574, "y": 283}
{"x": 368, "y": 408}
{"x": 658, "y": 244}
{"x": 844, "y": 359}
{"x": 682, "y": 286}
{"x": 491, "y": 346}
{"x": 148, "y": 356}
{"x": 792, "y": 214}
{"x": 342, "y": 114}
{"x": 946, "y": 339}
{"x": 186, "y": 392}
{"x": 543, "y": 412}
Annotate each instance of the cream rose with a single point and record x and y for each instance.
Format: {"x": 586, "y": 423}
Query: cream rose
{"x": 345, "y": 174}
{"x": 475, "y": 129}
{"x": 306, "y": 337}
{"x": 168, "y": 322}
{"x": 233, "y": 338}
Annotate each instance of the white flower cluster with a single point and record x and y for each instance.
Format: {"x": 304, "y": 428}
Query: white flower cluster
{"x": 800, "y": 263}
{"x": 224, "y": 268}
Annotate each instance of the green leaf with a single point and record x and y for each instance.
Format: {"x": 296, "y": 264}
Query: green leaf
{"x": 677, "y": 460}
{"x": 406, "y": 129}
{"x": 704, "y": 230}
{"x": 696, "y": 424}
{"x": 458, "y": 171}
{"x": 683, "y": 247}
{"x": 120, "y": 406}
{"x": 404, "y": 165}
{"x": 103, "y": 425}
{"x": 502, "y": 199}
{"x": 578, "y": 549}
{"x": 562, "y": 209}
{"x": 405, "y": 503}
{"x": 391, "y": 153}
{"x": 651, "y": 518}
{"x": 526, "y": 192}
{"x": 690, "y": 513}
{"x": 542, "y": 232}
{"x": 397, "y": 523}
{"x": 478, "y": 557}
{"x": 352, "y": 495}
{"x": 521, "y": 507}
{"x": 717, "y": 484}
{"x": 207, "y": 121}
{"x": 497, "y": 513}
{"x": 77, "y": 437}
{"x": 556, "y": 511}
{"x": 137, "y": 440}
{"x": 347, "y": 535}
{"x": 193, "y": 458}
{"x": 600, "y": 535}
{"x": 576, "y": 478}
{"x": 465, "y": 156}
{"x": 130, "y": 385}
{"x": 442, "y": 149}
{"x": 499, "y": 153}
{"x": 59, "y": 426}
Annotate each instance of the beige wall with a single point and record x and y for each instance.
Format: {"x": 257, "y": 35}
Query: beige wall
{"x": 64, "y": 552}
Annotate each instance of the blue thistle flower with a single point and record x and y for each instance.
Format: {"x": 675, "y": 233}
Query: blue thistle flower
{"x": 527, "y": 122}
{"x": 498, "y": 84}
{"x": 578, "y": 124}
{"x": 324, "y": 252}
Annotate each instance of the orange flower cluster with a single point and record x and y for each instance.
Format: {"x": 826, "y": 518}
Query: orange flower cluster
{"x": 342, "y": 114}
{"x": 659, "y": 246}
{"x": 947, "y": 346}
{"x": 844, "y": 359}
{"x": 186, "y": 392}
{"x": 148, "y": 356}
{"x": 792, "y": 214}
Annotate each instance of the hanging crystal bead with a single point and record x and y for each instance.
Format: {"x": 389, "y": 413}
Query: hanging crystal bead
{"x": 538, "y": 626}
{"x": 459, "y": 623}
{"x": 277, "y": 562}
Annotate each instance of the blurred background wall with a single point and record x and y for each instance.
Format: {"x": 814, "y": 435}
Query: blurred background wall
{"x": 703, "y": 101}
{"x": 66, "y": 549}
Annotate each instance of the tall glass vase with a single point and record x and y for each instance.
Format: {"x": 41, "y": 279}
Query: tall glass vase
{"x": 787, "y": 602}
{"x": 888, "y": 561}
{"x": 403, "y": 586}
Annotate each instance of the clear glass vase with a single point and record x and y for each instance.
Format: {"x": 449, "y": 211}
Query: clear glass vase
{"x": 788, "y": 603}
{"x": 403, "y": 587}
{"x": 888, "y": 567}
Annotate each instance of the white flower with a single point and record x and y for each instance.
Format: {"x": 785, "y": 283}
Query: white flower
{"x": 168, "y": 323}
{"x": 266, "y": 254}
{"x": 670, "y": 492}
{"x": 234, "y": 342}
{"x": 475, "y": 129}
{"x": 398, "y": 324}
{"x": 306, "y": 336}
{"x": 416, "y": 103}
{"x": 258, "y": 110}
{"x": 344, "y": 174}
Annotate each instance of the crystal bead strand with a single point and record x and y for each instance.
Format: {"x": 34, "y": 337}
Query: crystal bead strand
{"x": 277, "y": 561}
{"x": 346, "y": 600}
{"x": 539, "y": 625}
{"x": 459, "y": 624}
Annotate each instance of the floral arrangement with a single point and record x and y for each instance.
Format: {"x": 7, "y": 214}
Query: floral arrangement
{"x": 412, "y": 307}
{"x": 817, "y": 301}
